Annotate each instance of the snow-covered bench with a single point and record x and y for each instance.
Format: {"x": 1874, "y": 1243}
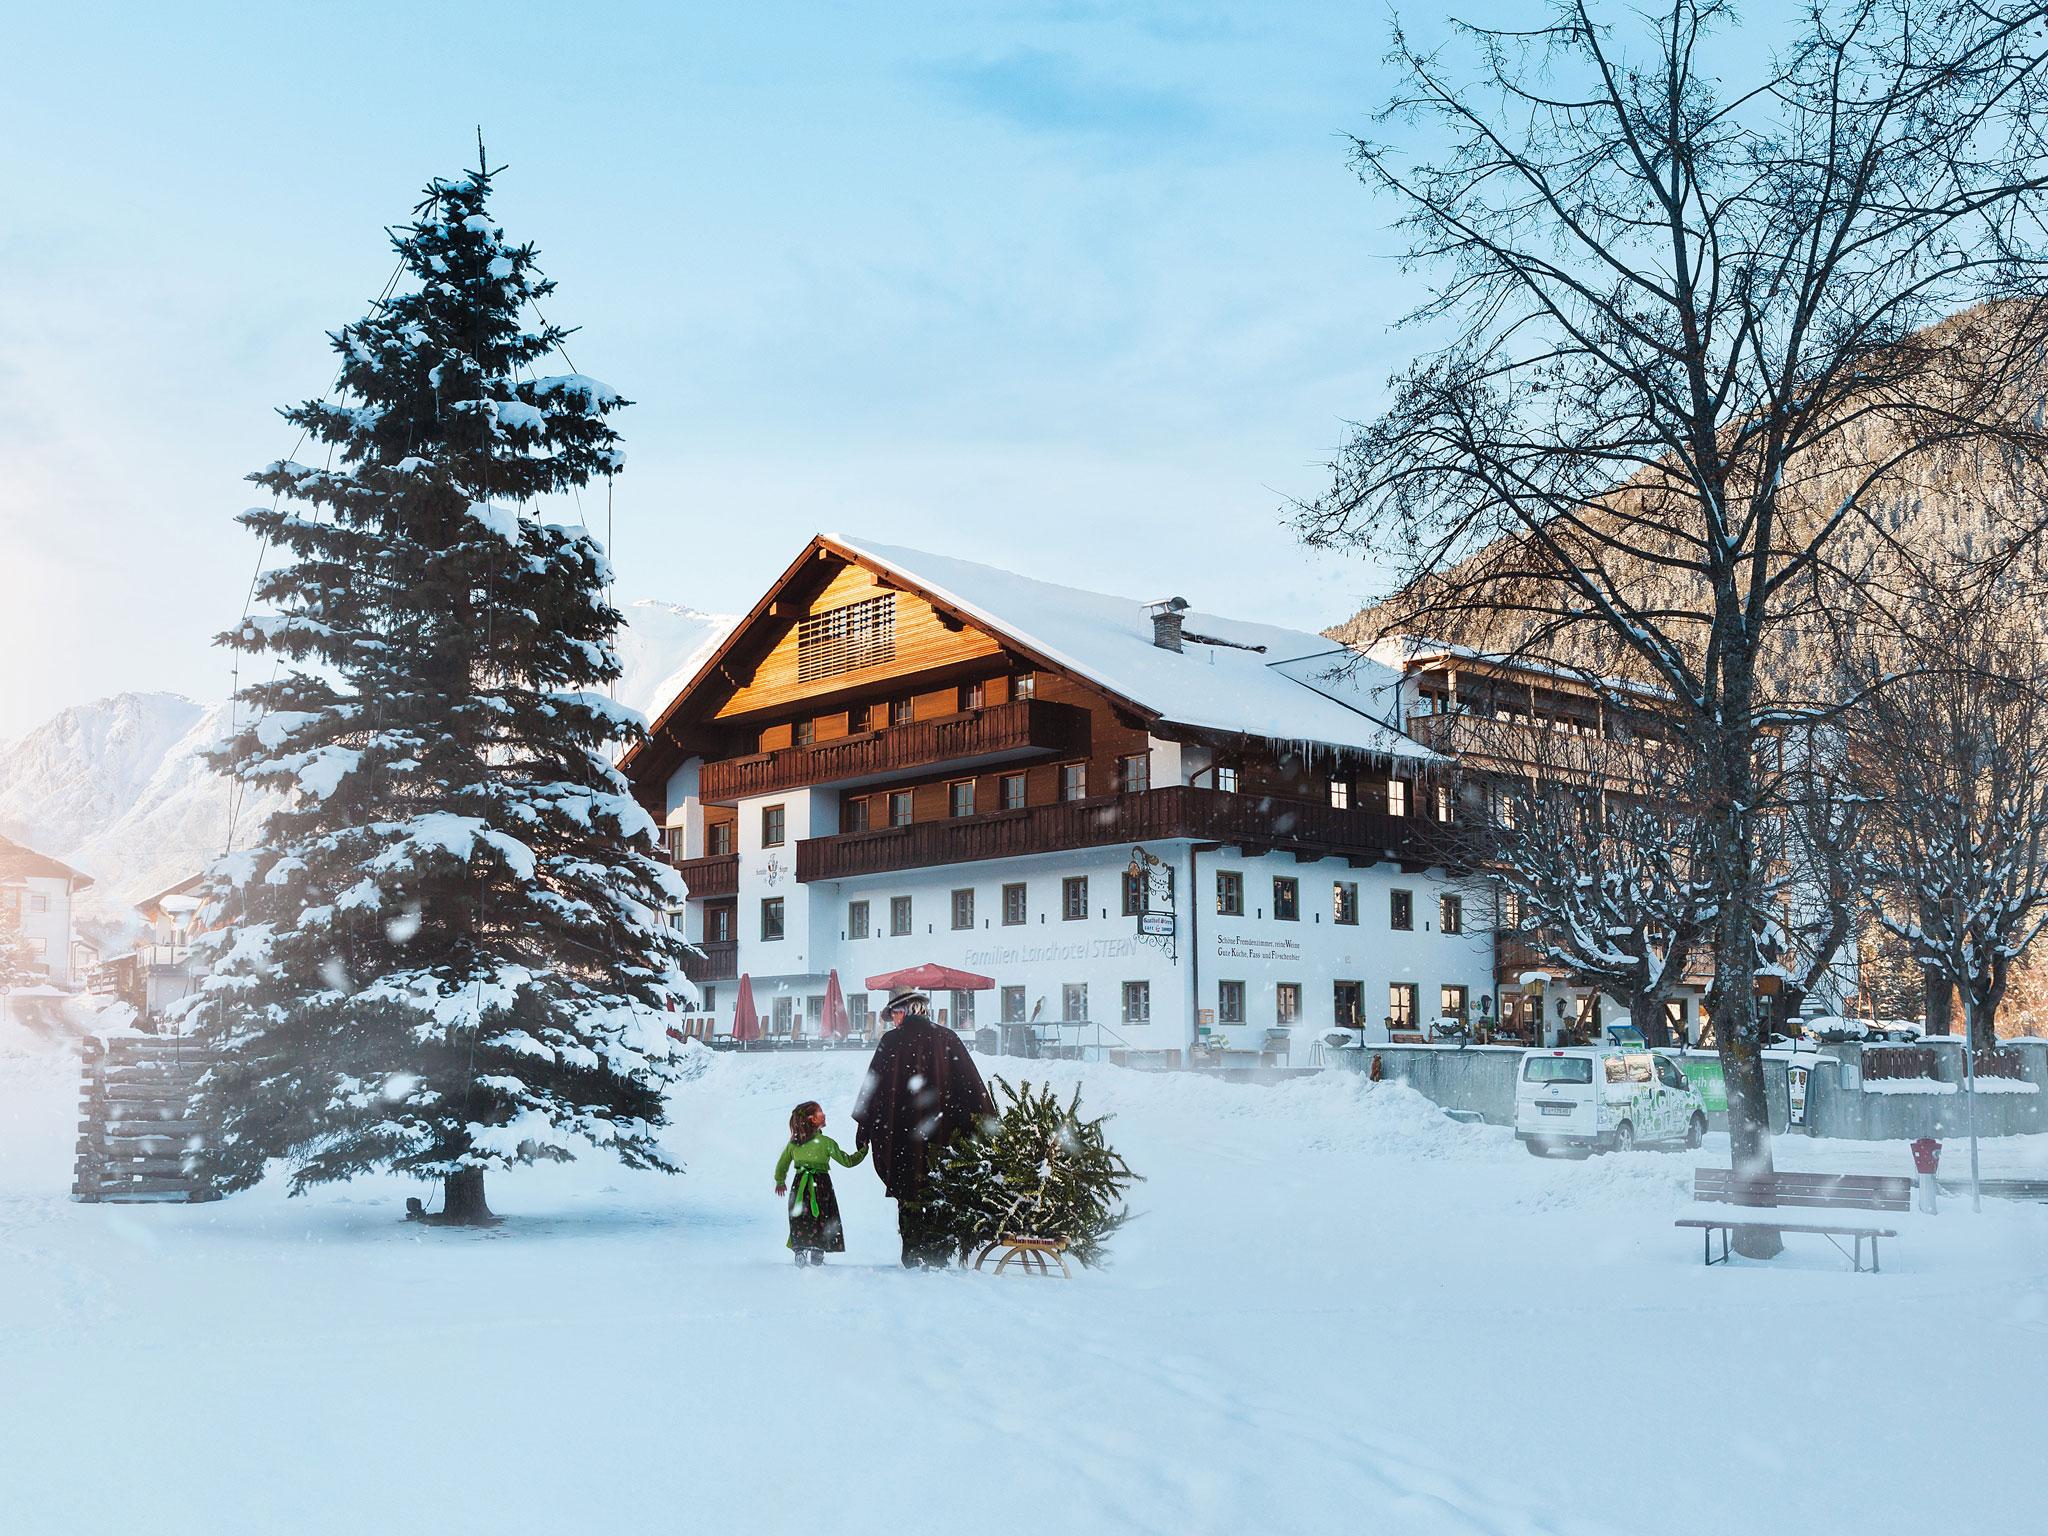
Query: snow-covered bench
{"x": 1823, "y": 1191}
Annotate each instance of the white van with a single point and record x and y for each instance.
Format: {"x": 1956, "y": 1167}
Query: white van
{"x": 1605, "y": 1098}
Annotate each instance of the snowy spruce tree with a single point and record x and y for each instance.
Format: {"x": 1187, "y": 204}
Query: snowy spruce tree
{"x": 444, "y": 954}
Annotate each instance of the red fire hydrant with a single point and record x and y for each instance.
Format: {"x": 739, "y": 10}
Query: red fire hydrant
{"x": 1926, "y": 1159}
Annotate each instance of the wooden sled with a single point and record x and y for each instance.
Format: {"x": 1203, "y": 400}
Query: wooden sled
{"x": 1026, "y": 1252}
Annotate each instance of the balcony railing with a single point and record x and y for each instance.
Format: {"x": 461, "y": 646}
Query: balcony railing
{"x": 719, "y": 961}
{"x": 717, "y": 874}
{"x": 1003, "y": 730}
{"x": 1204, "y": 815}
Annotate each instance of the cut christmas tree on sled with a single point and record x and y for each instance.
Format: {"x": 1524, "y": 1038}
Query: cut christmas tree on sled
{"x": 1038, "y": 1181}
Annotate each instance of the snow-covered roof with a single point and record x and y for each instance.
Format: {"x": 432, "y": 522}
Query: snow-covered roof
{"x": 1410, "y": 651}
{"x": 1296, "y": 686}
{"x": 20, "y": 863}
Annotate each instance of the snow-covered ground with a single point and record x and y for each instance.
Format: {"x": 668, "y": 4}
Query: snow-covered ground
{"x": 1338, "y": 1311}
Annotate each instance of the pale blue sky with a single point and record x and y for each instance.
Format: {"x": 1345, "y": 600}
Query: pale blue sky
{"x": 1085, "y": 290}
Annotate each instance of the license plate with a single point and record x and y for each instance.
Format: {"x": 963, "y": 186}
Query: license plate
{"x": 1555, "y": 1109}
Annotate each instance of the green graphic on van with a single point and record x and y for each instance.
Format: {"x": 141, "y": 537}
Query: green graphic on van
{"x": 1704, "y": 1073}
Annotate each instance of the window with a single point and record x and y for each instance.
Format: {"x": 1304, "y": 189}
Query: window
{"x": 1024, "y": 686}
{"x": 1557, "y": 1069}
{"x": 772, "y": 825}
{"x": 1286, "y": 898}
{"x": 1344, "y": 902}
{"x": 1230, "y": 1002}
{"x": 857, "y": 720}
{"x": 804, "y": 732}
{"x": 718, "y": 838}
{"x": 814, "y": 1013}
{"x": 1134, "y": 893}
{"x": 1013, "y": 905}
{"x": 711, "y": 999}
{"x": 1074, "y": 1002}
{"x": 1010, "y": 791}
{"x": 1013, "y": 1005}
{"x": 1226, "y": 780}
{"x": 1443, "y": 802}
{"x": 899, "y": 916}
{"x": 963, "y": 1010}
{"x": 1511, "y": 909}
{"x": 963, "y": 908}
{"x": 1074, "y": 898}
{"x": 853, "y": 814}
{"x": 1230, "y": 893}
{"x": 1340, "y": 794}
{"x": 1450, "y": 1002}
{"x": 1397, "y": 797}
{"x": 1401, "y": 1005}
{"x": 718, "y": 925}
{"x": 839, "y": 640}
{"x": 1287, "y": 1001}
{"x": 971, "y": 696}
{"x": 1401, "y": 911}
{"x": 782, "y": 1016}
{"x": 1137, "y": 1002}
{"x": 1450, "y": 914}
{"x": 856, "y": 919}
{"x": 857, "y": 1013}
{"x": 771, "y": 918}
{"x": 960, "y": 798}
{"x": 1134, "y": 773}
{"x": 901, "y": 711}
{"x": 899, "y": 807}
{"x": 1073, "y": 781}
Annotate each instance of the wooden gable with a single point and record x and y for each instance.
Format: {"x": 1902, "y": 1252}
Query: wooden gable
{"x": 923, "y": 640}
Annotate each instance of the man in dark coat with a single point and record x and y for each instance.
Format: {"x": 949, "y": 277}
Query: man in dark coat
{"x": 921, "y": 1091}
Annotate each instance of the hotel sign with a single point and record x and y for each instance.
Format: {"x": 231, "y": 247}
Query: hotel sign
{"x": 1239, "y": 947}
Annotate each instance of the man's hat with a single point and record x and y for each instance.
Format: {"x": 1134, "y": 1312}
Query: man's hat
{"x": 904, "y": 997}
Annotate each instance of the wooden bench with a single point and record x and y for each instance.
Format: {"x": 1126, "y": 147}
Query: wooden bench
{"x": 1807, "y": 1191}
{"x": 1709, "y": 1226}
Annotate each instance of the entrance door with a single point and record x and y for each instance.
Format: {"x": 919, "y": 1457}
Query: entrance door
{"x": 1349, "y": 1004}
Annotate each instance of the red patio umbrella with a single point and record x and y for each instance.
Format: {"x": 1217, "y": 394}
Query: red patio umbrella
{"x": 931, "y": 978}
{"x": 746, "y": 1023}
{"x": 834, "y": 1023}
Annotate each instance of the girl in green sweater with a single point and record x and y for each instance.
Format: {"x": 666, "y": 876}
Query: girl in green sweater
{"x": 814, "y": 1228}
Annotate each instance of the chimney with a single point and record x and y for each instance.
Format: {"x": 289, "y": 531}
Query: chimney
{"x": 1166, "y": 623}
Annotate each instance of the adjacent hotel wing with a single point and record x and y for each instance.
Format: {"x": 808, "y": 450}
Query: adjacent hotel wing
{"x": 1147, "y": 824}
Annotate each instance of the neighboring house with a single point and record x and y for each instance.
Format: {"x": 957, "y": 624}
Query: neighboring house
{"x": 39, "y": 892}
{"x": 1142, "y": 822}
{"x": 1499, "y": 717}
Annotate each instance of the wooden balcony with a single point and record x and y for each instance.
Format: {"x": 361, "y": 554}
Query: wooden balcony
{"x": 1205, "y": 815}
{"x": 1019, "y": 728}
{"x": 715, "y": 875}
{"x": 719, "y": 960}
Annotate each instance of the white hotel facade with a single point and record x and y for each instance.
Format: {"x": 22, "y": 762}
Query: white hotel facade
{"x": 1149, "y": 827}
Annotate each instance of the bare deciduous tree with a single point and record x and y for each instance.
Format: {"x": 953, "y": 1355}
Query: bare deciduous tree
{"x": 1952, "y": 754}
{"x": 1699, "y": 330}
{"x": 1591, "y": 844}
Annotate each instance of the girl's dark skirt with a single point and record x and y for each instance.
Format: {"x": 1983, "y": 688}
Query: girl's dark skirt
{"x": 814, "y": 1214}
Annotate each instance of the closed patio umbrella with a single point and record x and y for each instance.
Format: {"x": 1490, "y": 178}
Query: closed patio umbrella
{"x": 834, "y": 1023}
{"x": 746, "y": 1023}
